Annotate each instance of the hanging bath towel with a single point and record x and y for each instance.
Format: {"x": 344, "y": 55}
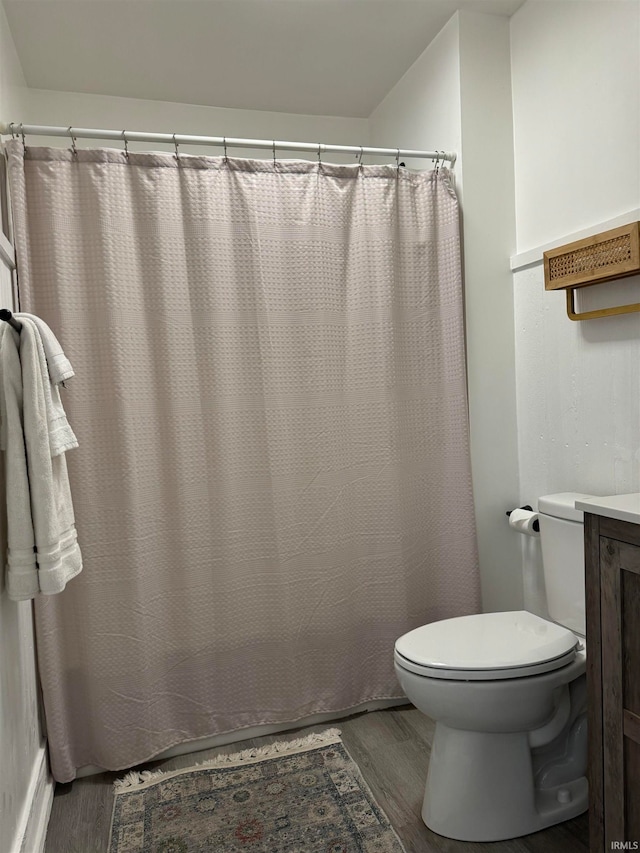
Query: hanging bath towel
{"x": 43, "y": 552}
{"x": 58, "y": 364}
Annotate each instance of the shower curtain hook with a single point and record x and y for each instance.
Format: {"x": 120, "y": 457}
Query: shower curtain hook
{"x": 436, "y": 163}
{"x": 397, "y": 161}
{"x": 126, "y": 144}
{"x": 24, "y": 142}
{"x": 319, "y": 158}
{"x": 11, "y": 126}
{"x": 274, "y": 154}
{"x": 74, "y": 150}
{"x": 360, "y": 156}
{"x": 177, "y": 154}
{"x": 224, "y": 143}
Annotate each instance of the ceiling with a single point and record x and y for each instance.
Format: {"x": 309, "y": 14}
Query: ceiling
{"x": 320, "y": 57}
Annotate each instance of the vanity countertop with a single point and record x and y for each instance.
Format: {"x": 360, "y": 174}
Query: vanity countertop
{"x": 622, "y": 507}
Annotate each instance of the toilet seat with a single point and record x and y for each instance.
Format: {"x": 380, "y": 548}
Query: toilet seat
{"x": 486, "y": 646}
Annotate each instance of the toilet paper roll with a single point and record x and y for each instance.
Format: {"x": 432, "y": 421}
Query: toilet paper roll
{"x": 522, "y": 520}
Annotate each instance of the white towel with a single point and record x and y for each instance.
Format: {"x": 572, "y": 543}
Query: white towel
{"x": 44, "y": 520}
{"x": 57, "y": 362}
{"x": 61, "y": 436}
{"x": 22, "y": 571}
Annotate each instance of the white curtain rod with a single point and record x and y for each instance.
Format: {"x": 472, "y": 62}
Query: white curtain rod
{"x": 221, "y": 141}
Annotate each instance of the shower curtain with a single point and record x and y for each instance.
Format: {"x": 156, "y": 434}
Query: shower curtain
{"x": 273, "y": 479}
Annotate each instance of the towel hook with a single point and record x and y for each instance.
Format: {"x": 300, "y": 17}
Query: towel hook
{"x": 7, "y": 316}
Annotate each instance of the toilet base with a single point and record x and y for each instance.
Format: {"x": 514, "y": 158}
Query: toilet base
{"x": 480, "y": 787}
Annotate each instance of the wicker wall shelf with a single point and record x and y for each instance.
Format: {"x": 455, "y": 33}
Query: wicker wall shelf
{"x": 607, "y": 256}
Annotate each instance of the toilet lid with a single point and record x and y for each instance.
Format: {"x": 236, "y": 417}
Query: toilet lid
{"x": 488, "y": 642}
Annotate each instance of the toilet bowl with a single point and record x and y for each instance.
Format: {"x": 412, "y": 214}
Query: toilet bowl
{"x": 507, "y": 692}
{"x": 509, "y": 751}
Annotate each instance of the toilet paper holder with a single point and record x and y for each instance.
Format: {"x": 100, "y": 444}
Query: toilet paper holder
{"x": 536, "y": 523}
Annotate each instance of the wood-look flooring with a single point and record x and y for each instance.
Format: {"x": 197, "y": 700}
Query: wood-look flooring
{"x": 390, "y": 747}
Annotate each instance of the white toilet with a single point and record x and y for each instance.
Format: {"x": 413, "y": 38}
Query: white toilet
{"x": 508, "y": 694}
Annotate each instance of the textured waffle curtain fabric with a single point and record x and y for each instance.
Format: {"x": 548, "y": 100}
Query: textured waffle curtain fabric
{"x": 273, "y": 479}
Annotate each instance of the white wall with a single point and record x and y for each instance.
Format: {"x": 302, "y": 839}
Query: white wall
{"x": 21, "y": 749}
{"x": 576, "y": 75}
{"x": 578, "y": 383}
{"x": 12, "y": 82}
{"x": 457, "y": 95}
{"x": 576, "y": 105}
{"x": 103, "y": 111}
{"x": 423, "y": 108}
{"x": 489, "y": 240}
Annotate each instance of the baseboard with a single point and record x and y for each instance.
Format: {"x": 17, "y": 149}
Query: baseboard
{"x": 32, "y": 829}
{"x": 258, "y": 731}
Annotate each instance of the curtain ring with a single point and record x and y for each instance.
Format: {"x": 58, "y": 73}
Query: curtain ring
{"x": 74, "y": 149}
{"x": 11, "y": 126}
{"x": 126, "y": 144}
{"x": 177, "y": 154}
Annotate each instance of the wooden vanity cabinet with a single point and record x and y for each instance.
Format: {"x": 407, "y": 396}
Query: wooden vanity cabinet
{"x": 612, "y": 585}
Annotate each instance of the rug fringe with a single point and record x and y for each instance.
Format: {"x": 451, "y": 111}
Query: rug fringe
{"x": 135, "y": 777}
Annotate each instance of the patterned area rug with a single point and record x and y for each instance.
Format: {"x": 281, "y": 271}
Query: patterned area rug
{"x": 304, "y": 796}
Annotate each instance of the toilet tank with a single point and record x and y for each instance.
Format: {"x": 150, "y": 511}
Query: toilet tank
{"x": 562, "y": 541}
